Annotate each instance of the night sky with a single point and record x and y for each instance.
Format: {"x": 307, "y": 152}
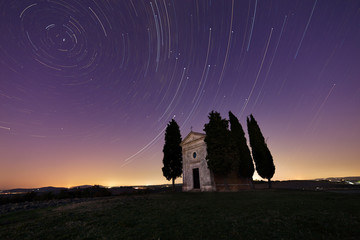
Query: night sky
{"x": 88, "y": 87}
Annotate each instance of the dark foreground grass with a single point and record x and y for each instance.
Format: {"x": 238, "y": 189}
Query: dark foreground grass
{"x": 244, "y": 215}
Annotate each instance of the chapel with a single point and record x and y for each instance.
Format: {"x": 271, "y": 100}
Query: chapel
{"x": 196, "y": 174}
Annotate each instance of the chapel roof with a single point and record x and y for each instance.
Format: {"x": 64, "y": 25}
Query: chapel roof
{"x": 192, "y": 136}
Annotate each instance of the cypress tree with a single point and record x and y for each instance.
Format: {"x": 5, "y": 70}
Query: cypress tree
{"x": 217, "y": 143}
{"x": 241, "y": 150}
{"x": 172, "y": 153}
{"x": 261, "y": 153}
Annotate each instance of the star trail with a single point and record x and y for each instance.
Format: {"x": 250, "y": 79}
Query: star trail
{"x": 87, "y": 87}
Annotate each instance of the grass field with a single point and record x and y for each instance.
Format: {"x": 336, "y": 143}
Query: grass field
{"x": 260, "y": 214}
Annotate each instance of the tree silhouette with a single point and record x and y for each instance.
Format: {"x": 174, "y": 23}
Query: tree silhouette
{"x": 217, "y": 143}
{"x": 241, "y": 150}
{"x": 172, "y": 153}
{"x": 261, "y": 154}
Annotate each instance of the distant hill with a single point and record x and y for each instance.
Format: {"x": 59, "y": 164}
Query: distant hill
{"x": 82, "y": 186}
{"x": 354, "y": 179}
{"x": 43, "y": 189}
{"x": 58, "y": 189}
{"x": 26, "y": 190}
{"x": 339, "y": 179}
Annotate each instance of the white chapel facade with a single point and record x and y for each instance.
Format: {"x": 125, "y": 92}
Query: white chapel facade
{"x": 196, "y": 174}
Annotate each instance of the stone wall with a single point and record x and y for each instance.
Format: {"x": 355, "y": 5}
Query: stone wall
{"x": 231, "y": 183}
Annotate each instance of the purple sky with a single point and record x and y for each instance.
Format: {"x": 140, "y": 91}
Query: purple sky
{"x": 87, "y": 87}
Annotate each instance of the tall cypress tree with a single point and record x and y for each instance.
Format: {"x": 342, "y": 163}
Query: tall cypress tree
{"x": 217, "y": 143}
{"x": 261, "y": 153}
{"x": 172, "y": 153}
{"x": 241, "y": 150}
